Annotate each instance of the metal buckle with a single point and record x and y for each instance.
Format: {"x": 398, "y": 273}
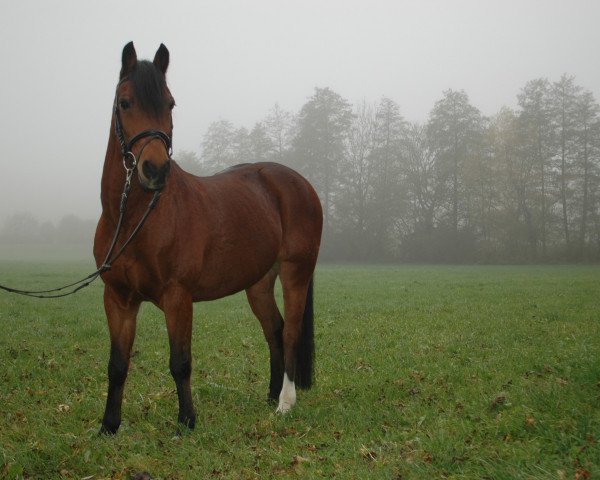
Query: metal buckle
{"x": 129, "y": 169}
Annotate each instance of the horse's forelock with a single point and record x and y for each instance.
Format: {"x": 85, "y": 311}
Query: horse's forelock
{"x": 149, "y": 87}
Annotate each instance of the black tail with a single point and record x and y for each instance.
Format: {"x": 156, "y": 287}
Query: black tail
{"x": 305, "y": 357}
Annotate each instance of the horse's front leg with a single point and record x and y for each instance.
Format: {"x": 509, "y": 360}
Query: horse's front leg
{"x": 121, "y": 312}
{"x": 177, "y": 305}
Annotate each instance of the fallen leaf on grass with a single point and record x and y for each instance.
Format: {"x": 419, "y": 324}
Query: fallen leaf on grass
{"x": 499, "y": 400}
{"x": 63, "y": 408}
{"x": 427, "y": 457}
{"x": 582, "y": 474}
{"x": 367, "y": 453}
{"x": 31, "y": 391}
{"x": 299, "y": 459}
{"x": 529, "y": 421}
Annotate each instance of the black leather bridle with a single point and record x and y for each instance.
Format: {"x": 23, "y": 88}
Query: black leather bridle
{"x": 127, "y": 146}
{"x": 151, "y": 132}
{"x": 111, "y": 256}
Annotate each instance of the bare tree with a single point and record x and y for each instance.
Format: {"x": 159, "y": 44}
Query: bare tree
{"x": 538, "y": 137}
{"x": 587, "y": 137}
{"x": 279, "y": 128}
{"x": 319, "y": 144}
{"x": 564, "y": 96}
{"x": 218, "y": 146}
{"x": 453, "y": 127}
{"x": 355, "y": 205}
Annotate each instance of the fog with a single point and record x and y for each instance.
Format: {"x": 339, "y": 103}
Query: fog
{"x": 235, "y": 59}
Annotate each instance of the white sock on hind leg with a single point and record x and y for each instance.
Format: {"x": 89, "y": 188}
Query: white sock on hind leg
{"x": 287, "y": 397}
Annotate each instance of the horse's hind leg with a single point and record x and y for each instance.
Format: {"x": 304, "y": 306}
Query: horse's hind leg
{"x": 298, "y": 341}
{"x": 121, "y": 312}
{"x": 262, "y": 301}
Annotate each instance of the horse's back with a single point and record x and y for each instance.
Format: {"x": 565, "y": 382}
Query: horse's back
{"x": 295, "y": 197}
{"x": 295, "y": 205}
{"x": 298, "y": 203}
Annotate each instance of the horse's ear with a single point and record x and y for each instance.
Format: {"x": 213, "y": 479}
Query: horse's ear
{"x": 128, "y": 60}
{"x": 161, "y": 59}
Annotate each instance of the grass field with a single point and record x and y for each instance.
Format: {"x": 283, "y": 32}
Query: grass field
{"x": 422, "y": 372}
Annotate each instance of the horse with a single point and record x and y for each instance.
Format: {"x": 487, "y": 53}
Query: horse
{"x": 206, "y": 238}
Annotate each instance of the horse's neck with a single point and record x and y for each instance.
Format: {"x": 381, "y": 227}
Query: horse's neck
{"x": 113, "y": 178}
{"x": 113, "y": 184}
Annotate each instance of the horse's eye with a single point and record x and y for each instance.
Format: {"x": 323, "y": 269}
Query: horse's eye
{"x": 124, "y": 104}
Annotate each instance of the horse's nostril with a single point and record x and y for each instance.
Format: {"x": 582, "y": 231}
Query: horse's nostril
{"x": 149, "y": 169}
{"x": 155, "y": 176}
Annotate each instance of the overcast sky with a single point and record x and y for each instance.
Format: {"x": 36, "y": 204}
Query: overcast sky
{"x": 234, "y": 59}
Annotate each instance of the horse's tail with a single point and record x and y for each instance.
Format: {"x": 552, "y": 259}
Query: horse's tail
{"x": 305, "y": 357}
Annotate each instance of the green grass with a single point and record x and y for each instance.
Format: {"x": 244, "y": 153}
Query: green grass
{"x": 422, "y": 372}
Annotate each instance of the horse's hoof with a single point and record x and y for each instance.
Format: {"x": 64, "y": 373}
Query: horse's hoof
{"x": 272, "y": 400}
{"x": 181, "y": 430}
{"x": 287, "y": 397}
{"x": 107, "y": 430}
{"x": 185, "y": 426}
{"x": 141, "y": 476}
{"x": 284, "y": 407}
{"x": 187, "y": 422}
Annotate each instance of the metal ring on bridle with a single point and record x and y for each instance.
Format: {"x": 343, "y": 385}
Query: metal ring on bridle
{"x": 131, "y": 156}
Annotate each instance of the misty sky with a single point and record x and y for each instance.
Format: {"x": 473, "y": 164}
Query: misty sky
{"x": 234, "y": 59}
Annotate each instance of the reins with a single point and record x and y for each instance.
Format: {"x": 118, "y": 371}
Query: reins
{"x": 108, "y": 261}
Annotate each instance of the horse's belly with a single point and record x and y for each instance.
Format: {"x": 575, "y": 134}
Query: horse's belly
{"x": 229, "y": 268}
{"x": 230, "y": 278}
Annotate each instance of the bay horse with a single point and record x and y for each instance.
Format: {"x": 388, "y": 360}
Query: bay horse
{"x": 206, "y": 238}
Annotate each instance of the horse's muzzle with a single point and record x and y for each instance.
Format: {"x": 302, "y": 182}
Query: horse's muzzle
{"x": 153, "y": 177}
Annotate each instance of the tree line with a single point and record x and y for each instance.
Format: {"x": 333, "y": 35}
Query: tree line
{"x": 520, "y": 186}
{"x": 24, "y": 228}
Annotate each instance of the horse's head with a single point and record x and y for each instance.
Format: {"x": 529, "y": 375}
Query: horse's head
{"x": 143, "y": 121}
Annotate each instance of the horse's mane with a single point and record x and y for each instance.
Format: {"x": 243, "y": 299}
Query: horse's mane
{"x": 149, "y": 87}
